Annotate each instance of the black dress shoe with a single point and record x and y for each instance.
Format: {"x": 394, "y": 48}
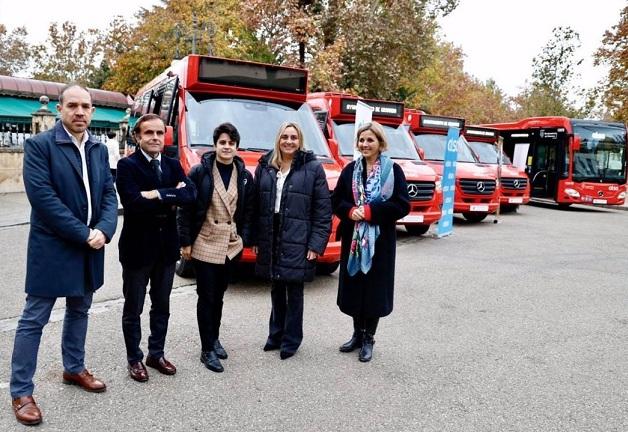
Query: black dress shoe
{"x": 366, "y": 353}
{"x": 271, "y": 346}
{"x": 162, "y": 365}
{"x": 286, "y": 354}
{"x": 220, "y": 351}
{"x": 138, "y": 371}
{"x": 352, "y": 344}
{"x": 211, "y": 361}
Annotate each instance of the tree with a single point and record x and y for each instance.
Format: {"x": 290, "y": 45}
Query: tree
{"x": 14, "y": 51}
{"x": 175, "y": 29}
{"x": 444, "y": 88}
{"x": 554, "y": 70}
{"x": 614, "y": 53}
{"x": 69, "y": 55}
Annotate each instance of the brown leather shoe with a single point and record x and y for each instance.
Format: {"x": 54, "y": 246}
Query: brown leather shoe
{"x": 162, "y": 365}
{"x": 138, "y": 371}
{"x": 85, "y": 380}
{"x": 26, "y": 410}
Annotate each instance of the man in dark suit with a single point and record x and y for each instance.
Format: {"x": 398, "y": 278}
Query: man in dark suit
{"x": 150, "y": 185}
{"x": 74, "y": 213}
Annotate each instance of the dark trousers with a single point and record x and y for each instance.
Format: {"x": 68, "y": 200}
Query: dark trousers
{"x": 134, "y": 286}
{"x": 211, "y": 284}
{"x": 28, "y": 336}
{"x": 285, "y": 327}
{"x": 368, "y": 324}
{"x": 113, "y": 173}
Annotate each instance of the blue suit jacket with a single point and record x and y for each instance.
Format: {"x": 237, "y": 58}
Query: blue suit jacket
{"x": 149, "y": 232}
{"x": 59, "y": 261}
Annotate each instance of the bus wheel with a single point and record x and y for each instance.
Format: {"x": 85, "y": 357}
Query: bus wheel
{"x": 475, "y": 217}
{"x": 417, "y": 230}
{"x": 185, "y": 269}
{"x": 327, "y": 268}
{"x": 564, "y": 206}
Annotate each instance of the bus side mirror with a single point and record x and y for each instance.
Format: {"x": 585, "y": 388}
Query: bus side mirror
{"x": 169, "y": 136}
{"x": 333, "y": 146}
{"x": 576, "y": 144}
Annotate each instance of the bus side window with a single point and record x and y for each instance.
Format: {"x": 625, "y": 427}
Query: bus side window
{"x": 565, "y": 168}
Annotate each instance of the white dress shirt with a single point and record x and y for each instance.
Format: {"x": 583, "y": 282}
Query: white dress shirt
{"x": 281, "y": 179}
{"x": 81, "y": 149}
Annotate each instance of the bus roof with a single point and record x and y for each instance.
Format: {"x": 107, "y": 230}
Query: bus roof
{"x": 342, "y": 106}
{"x": 235, "y": 78}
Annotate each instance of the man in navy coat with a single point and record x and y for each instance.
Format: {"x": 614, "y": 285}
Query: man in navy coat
{"x": 150, "y": 185}
{"x": 74, "y": 213}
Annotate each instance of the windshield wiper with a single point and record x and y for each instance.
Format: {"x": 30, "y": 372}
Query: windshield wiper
{"x": 254, "y": 149}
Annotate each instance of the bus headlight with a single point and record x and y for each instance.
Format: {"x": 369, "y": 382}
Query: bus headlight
{"x": 439, "y": 185}
{"x": 572, "y": 193}
{"x": 621, "y": 196}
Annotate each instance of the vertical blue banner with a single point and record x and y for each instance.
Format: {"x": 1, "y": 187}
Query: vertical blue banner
{"x": 445, "y": 224}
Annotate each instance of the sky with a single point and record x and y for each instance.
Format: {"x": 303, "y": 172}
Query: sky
{"x": 499, "y": 37}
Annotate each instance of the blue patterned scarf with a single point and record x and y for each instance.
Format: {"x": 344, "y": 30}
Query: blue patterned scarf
{"x": 379, "y": 187}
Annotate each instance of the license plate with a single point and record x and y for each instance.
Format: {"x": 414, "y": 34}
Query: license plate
{"x": 479, "y": 208}
{"x": 599, "y": 201}
{"x": 515, "y": 200}
{"x": 412, "y": 219}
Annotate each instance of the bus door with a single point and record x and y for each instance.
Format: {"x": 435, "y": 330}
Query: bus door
{"x": 546, "y": 158}
{"x": 550, "y": 161}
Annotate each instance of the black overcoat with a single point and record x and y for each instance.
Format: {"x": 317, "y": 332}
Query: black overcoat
{"x": 190, "y": 218}
{"x": 305, "y": 218}
{"x": 60, "y": 263}
{"x": 371, "y": 294}
{"x": 149, "y": 232}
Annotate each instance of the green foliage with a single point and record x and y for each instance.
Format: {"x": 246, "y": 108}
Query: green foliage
{"x": 554, "y": 70}
{"x": 175, "y": 29}
{"x": 614, "y": 53}
{"x": 14, "y": 51}
{"x": 69, "y": 55}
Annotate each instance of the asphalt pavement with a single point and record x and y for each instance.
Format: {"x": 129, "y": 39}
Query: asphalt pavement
{"x": 515, "y": 326}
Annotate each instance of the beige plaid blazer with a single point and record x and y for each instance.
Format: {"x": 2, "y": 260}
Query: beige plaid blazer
{"x": 218, "y": 238}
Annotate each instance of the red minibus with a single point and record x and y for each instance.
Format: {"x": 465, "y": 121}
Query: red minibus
{"x": 477, "y": 191}
{"x": 197, "y": 93}
{"x": 569, "y": 161}
{"x": 514, "y": 188}
{"x": 336, "y": 115}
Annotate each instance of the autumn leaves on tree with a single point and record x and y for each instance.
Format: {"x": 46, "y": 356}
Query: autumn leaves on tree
{"x": 387, "y": 49}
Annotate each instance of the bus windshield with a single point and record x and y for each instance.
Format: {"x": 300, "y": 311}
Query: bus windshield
{"x": 487, "y": 152}
{"x": 602, "y": 154}
{"x": 257, "y": 121}
{"x": 400, "y": 145}
{"x": 434, "y": 147}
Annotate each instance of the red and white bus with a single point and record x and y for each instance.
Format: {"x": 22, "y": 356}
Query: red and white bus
{"x": 570, "y": 161}
{"x": 477, "y": 191}
{"x": 514, "y": 188}
{"x": 336, "y": 114}
{"x": 197, "y": 93}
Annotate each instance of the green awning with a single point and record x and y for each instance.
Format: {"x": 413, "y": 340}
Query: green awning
{"x": 19, "y": 110}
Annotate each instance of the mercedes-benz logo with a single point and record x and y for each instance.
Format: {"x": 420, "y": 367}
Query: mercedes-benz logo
{"x": 600, "y": 193}
{"x": 413, "y": 190}
{"x": 480, "y": 186}
{"x": 516, "y": 183}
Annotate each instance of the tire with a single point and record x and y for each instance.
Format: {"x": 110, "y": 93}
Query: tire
{"x": 417, "y": 230}
{"x": 185, "y": 269}
{"x": 564, "y": 206}
{"x": 475, "y": 217}
{"x": 327, "y": 268}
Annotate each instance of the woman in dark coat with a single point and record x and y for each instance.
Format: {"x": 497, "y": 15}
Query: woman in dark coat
{"x": 370, "y": 196}
{"x": 294, "y": 223}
